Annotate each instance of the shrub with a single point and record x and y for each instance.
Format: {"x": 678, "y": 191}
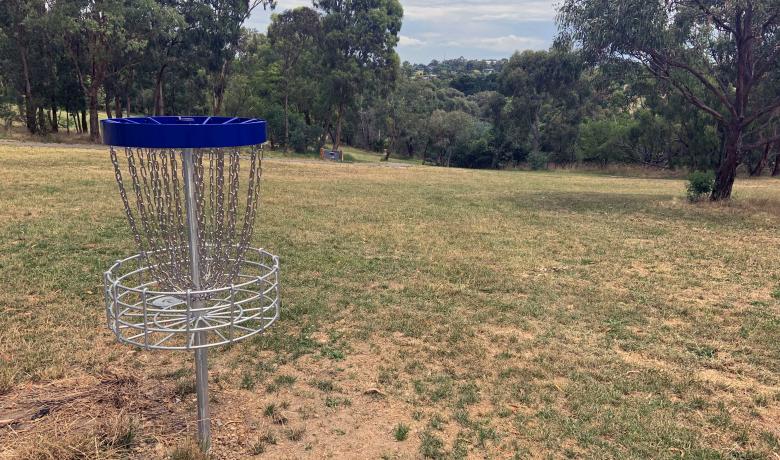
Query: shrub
{"x": 700, "y": 183}
{"x": 401, "y": 432}
{"x": 537, "y": 161}
{"x": 605, "y": 141}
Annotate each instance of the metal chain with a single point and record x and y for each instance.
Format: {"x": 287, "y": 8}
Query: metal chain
{"x": 181, "y": 250}
{"x": 224, "y": 229}
{"x": 201, "y": 212}
{"x": 125, "y": 201}
{"x": 252, "y": 200}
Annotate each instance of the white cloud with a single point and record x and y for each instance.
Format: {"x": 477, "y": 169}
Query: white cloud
{"x": 479, "y": 10}
{"x": 403, "y": 40}
{"x": 451, "y": 28}
{"x": 260, "y": 17}
{"x": 507, "y": 43}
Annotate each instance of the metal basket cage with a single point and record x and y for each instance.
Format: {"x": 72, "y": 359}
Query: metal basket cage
{"x": 141, "y": 314}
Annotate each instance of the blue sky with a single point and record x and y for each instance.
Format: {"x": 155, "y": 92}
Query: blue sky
{"x": 439, "y": 29}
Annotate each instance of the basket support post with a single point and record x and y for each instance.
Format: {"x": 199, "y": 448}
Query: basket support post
{"x": 201, "y": 339}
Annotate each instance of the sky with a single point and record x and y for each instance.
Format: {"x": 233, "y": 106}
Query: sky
{"x": 442, "y": 29}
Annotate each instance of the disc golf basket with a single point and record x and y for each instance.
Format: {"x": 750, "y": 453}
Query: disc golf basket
{"x": 190, "y": 187}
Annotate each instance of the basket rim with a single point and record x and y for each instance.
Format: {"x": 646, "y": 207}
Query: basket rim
{"x": 112, "y": 282}
{"x": 194, "y": 132}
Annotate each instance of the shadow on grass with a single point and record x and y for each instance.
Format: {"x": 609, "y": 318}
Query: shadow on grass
{"x": 739, "y": 212}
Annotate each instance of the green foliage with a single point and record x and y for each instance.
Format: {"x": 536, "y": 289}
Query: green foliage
{"x": 604, "y": 141}
{"x": 544, "y": 89}
{"x": 401, "y": 432}
{"x": 295, "y": 434}
{"x": 431, "y": 446}
{"x": 281, "y": 381}
{"x": 538, "y": 161}
{"x": 292, "y": 34}
{"x": 358, "y": 50}
{"x": 330, "y": 73}
{"x": 700, "y": 184}
{"x": 247, "y": 381}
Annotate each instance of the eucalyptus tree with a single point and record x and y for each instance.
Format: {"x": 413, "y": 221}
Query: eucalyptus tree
{"x": 409, "y": 107}
{"x": 715, "y": 53}
{"x": 358, "y": 45}
{"x": 252, "y": 89}
{"x": 15, "y": 23}
{"x": 215, "y": 35}
{"x": 103, "y": 38}
{"x": 538, "y": 83}
{"x": 456, "y": 135}
{"x": 492, "y": 106}
{"x": 167, "y": 46}
{"x": 293, "y": 33}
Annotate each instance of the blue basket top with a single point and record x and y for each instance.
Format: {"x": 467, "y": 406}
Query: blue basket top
{"x": 183, "y": 132}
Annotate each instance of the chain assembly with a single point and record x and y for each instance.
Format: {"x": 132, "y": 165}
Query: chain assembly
{"x": 153, "y": 197}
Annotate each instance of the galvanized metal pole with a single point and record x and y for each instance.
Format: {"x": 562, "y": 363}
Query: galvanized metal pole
{"x": 201, "y": 354}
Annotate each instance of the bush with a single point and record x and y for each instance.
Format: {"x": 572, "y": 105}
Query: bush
{"x": 303, "y": 138}
{"x": 605, "y": 141}
{"x": 537, "y": 161}
{"x": 700, "y": 183}
{"x": 401, "y": 432}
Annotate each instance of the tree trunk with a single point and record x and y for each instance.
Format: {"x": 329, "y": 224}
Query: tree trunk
{"x": 67, "y": 121}
{"x": 759, "y": 168}
{"x": 286, "y": 121}
{"x": 172, "y": 109}
{"x": 323, "y": 135}
{"x": 94, "y": 123}
{"x": 727, "y": 171}
{"x": 84, "y": 128}
{"x": 42, "y": 121}
{"x": 494, "y": 161}
{"x": 219, "y": 90}
{"x": 535, "y": 134}
{"x": 159, "y": 105}
{"x": 776, "y": 169}
{"x": 118, "y": 106}
{"x": 339, "y": 118}
{"x": 55, "y": 121}
{"x": 108, "y": 106}
{"x": 127, "y": 103}
{"x": 29, "y": 106}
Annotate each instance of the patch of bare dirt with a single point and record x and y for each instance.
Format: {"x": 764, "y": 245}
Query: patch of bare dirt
{"x": 638, "y": 360}
{"x": 734, "y": 382}
{"x": 353, "y": 420}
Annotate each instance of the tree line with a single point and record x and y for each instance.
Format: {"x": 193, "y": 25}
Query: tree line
{"x": 670, "y": 84}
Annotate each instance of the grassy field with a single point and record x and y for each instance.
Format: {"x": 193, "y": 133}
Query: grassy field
{"x": 427, "y": 313}
{"x": 351, "y": 155}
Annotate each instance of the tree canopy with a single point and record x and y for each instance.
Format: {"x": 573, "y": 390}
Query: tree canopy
{"x": 717, "y": 54}
{"x": 665, "y": 84}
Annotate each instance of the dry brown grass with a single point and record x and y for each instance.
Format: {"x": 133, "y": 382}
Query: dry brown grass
{"x": 493, "y": 313}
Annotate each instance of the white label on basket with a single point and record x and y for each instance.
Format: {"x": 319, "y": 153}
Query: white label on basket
{"x": 167, "y": 302}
